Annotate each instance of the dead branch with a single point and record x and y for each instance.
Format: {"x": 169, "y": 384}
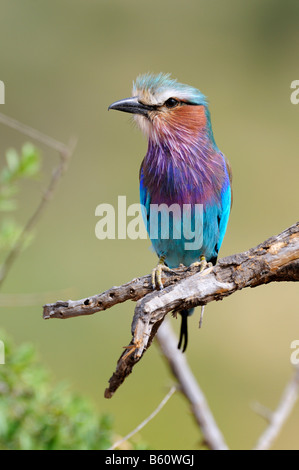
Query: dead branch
{"x": 275, "y": 260}
{"x": 188, "y": 386}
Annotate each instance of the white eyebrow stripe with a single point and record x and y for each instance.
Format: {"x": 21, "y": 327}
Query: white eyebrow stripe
{"x": 158, "y": 99}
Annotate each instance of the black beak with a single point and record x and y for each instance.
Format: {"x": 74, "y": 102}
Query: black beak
{"x": 131, "y": 105}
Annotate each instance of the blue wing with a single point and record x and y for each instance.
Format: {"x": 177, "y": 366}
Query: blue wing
{"x": 213, "y": 227}
{"x": 144, "y": 201}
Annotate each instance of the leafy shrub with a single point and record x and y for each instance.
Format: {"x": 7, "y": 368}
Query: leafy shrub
{"x": 35, "y": 415}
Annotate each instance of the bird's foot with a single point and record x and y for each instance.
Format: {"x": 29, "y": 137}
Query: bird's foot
{"x": 202, "y": 263}
{"x": 157, "y": 274}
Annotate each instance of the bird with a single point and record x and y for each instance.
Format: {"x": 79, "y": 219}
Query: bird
{"x": 182, "y": 168}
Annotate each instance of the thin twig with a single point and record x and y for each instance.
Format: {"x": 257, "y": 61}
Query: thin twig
{"x": 262, "y": 410}
{"x": 278, "y": 417}
{"x": 34, "y": 134}
{"x": 146, "y": 421}
{"x": 65, "y": 152}
{"x": 212, "y": 436}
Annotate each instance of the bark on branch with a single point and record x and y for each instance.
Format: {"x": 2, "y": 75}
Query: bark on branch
{"x": 276, "y": 259}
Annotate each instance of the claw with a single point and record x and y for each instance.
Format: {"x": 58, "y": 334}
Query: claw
{"x": 202, "y": 263}
{"x": 157, "y": 274}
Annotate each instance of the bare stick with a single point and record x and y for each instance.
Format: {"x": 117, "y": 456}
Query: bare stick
{"x": 212, "y": 436}
{"x": 146, "y": 421}
{"x": 280, "y": 415}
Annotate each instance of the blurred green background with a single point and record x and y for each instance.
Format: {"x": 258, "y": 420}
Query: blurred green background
{"x": 63, "y": 62}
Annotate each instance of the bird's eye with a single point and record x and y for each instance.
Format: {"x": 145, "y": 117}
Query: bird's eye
{"x": 171, "y": 103}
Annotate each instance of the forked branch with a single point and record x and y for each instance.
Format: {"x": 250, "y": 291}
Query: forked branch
{"x": 276, "y": 259}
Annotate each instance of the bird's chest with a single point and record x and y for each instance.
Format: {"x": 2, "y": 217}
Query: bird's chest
{"x": 178, "y": 181}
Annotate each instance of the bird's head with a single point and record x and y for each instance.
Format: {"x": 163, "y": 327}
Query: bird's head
{"x": 165, "y": 109}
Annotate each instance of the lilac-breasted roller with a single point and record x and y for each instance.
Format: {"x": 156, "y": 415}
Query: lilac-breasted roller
{"x": 183, "y": 168}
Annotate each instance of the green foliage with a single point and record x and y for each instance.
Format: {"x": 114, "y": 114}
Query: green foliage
{"x": 26, "y": 165}
{"x": 35, "y": 415}
{"x": 18, "y": 167}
